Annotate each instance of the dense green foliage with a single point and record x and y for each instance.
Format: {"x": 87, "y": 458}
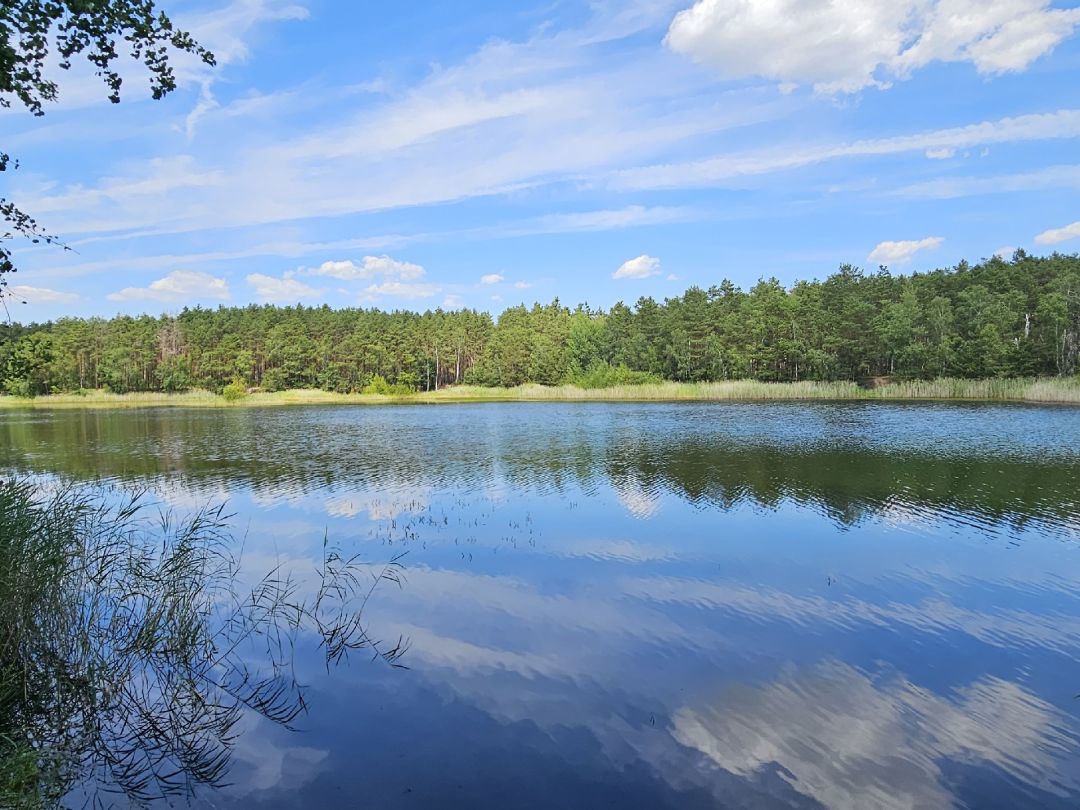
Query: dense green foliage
{"x": 995, "y": 319}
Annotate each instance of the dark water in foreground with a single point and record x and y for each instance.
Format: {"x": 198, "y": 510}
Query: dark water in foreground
{"x": 709, "y": 605}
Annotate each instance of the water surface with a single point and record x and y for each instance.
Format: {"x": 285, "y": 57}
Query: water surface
{"x": 635, "y": 605}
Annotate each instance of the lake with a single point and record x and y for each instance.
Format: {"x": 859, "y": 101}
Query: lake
{"x": 847, "y": 605}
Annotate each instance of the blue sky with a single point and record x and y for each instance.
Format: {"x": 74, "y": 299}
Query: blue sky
{"x": 428, "y": 154}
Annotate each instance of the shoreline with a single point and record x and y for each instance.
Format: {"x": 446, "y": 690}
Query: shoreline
{"x": 1034, "y": 391}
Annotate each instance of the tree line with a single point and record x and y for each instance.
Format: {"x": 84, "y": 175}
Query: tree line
{"x": 1000, "y": 317}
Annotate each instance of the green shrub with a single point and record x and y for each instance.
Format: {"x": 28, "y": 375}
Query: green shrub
{"x": 378, "y": 385}
{"x": 234, "y": 391}
{"x": 18, "y": 388}
{"x": 604, "y": 375}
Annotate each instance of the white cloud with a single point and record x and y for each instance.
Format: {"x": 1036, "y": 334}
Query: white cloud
{"x": 521, "y": 285}
{"x": 1059, "y": 176}
{"x": 841, "y": 46}
{"x": 399, "y": 289}
{"x": 1055, "y": 235}
{"x": 492, "y": 278}
{"x": 672, "y": 277}
{"x": 940, "y": 153}
{"x": 204, "y": 105}
{"x": 283, "y": 290}
{"x": 224, "y": 31}
{"x": 178, "y": 286}
{"x": 641, "y": 267}
{"x": 699, "y": 173}
{"x": 510, "y": 116}
{"x": 346, "y": 270}
{"x": 1005, "y": 252}
{"x": 604, "y": 220}
{"x": 39, "y": 295}
{"x": 902, "y": 251}
{"x": 392, "y": 278}
{"x": 369, "y": 267}
{"x": 452, "y": 301}
{"x": 392, "y": 268}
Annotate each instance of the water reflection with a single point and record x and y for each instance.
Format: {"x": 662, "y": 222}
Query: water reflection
{"x": 852, "y": 461}
{"x": 131, "y": 648}
{"x": 846, "y": 738}
{"x": 653, "y": 606}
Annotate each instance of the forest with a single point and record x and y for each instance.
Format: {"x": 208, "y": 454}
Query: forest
{"x": 998, "y": 318}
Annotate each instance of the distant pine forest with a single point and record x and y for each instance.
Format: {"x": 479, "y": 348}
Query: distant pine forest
{"x": 1017, "y": 317}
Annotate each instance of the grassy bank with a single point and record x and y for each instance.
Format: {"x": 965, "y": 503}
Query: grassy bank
{"x": 1053, "y": 390}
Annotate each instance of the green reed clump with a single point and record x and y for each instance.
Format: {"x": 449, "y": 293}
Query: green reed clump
{"x": 129, "y": 651}
{"x": 599, "y": 384}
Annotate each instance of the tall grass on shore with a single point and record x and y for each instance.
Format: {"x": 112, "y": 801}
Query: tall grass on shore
{"x": 129, "y": 650}
{"x": 1048, "y": 390}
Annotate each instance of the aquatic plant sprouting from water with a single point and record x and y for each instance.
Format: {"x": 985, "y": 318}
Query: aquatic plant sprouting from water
{"x": 129, "y": 651}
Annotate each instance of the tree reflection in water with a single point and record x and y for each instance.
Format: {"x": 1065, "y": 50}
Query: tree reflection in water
{"x": 130, "y": 647}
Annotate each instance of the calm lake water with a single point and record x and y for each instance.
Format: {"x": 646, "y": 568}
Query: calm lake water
{"x": 676, "y": 605}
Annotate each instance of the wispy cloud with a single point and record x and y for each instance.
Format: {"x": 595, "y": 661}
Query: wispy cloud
{"x": 1044, "y": 126}
{"x": 39, "y": 295}
{"x": 1063, "y": 176}
{"x": 512, "y": 116}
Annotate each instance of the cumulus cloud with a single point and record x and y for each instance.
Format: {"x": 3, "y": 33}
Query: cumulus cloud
{"x": 1055, "y": 235}
{"x": 346, "y": 269}
{"x": 388, "y": 278}
{"x": 491, "y": 278}
{"x": 280, "y": 290}
{"x": 840, "y": 46}
{"x": 178, "y": 286}
{"x": 902, "y": 251}
{"x": 452, "y": 301}
{"x": 641, "y": 267}
{"x": 399, "y": 289}
{"x": 368, "y": 267}
{"x": 1005, "y": 252}
{"x": 41, "y": 295}
{"x": 521, "y": 285}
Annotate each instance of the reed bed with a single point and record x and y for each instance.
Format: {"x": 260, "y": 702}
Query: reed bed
{"x": 1045, "y": 390}
{"x": 131, "y": 646}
